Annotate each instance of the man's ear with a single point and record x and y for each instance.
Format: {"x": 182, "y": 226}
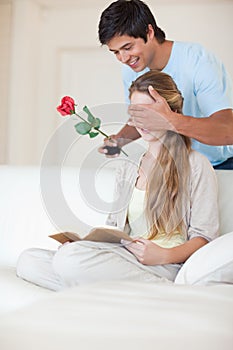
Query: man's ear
{"x": 150, "y": 32}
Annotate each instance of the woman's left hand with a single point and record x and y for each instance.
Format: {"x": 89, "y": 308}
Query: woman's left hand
{"x": 146, "y": 251}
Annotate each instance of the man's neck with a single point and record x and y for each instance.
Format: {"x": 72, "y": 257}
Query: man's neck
{"x": 162, "y": 55}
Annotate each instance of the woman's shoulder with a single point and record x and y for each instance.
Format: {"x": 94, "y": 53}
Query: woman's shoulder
{"x": 199, "y": 163}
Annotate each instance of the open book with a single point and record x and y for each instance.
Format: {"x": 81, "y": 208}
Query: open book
{"x": 98, "y": 234}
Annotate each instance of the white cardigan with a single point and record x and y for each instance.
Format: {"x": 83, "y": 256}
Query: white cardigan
{"x": 202, "y": 217}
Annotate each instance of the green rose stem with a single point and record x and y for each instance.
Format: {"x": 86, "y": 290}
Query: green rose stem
{"x": 101, "y": 132}
{"x": 91, "y": 125}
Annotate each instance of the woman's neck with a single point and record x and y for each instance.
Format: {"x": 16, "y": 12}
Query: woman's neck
{"x": 154, "y": 148}
{"x": 147, "y": 164}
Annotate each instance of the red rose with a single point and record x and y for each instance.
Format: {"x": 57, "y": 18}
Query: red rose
{"x": 67, "y": 106}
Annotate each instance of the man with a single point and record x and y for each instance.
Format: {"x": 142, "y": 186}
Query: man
{"x": 130, "y": 31}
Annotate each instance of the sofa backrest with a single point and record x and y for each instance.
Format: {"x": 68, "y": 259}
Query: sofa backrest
{"x": 25, "y": 220}
{"x": 225, "y": 184}
{"x": 25, "y": 223}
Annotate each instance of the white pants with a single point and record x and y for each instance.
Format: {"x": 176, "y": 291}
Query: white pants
{"x": 86, "y": 262}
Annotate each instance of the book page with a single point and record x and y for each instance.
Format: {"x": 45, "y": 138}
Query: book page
{"x": 110, "y": 235}
{"x": 98, "y": 234}
{"x": 64, "y": 237}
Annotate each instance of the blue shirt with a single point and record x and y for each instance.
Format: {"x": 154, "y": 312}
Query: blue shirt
{"x": 205, "y": 86}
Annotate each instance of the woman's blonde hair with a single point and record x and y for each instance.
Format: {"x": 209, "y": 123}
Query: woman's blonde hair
{"x": 167, "y": 185}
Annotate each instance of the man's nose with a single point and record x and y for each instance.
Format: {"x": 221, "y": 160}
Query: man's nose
{"x": 124, "y": 56}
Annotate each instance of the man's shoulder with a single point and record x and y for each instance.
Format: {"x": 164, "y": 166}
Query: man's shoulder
{"x": 189, "y": 51}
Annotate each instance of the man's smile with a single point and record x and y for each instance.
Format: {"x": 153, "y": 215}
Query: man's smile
{"x": 133, "y": 62}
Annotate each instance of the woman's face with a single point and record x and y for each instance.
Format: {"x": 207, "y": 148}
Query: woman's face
{"x": 143, "y": 98}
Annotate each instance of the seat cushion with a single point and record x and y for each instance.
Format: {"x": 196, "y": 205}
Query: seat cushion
{"x": 16, "y": 293}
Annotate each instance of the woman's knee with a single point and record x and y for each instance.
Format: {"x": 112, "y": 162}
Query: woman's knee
{"x": 74, "y": 262}
{"x": 31, "y": 260}
{"x": 24, "y": 263}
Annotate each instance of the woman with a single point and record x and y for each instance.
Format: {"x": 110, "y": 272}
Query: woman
{"x": 168, "y": 204}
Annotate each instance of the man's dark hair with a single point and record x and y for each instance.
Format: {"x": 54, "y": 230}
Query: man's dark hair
{"x": 128, "y": 17}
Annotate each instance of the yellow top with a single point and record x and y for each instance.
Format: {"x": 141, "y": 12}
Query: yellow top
{"x": 138, "y": 223}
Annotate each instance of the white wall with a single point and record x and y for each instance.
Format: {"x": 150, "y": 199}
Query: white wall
{"x": 54, "y": 51}
{"x": 209, "y": 22}
{"x": 5, "y": 24}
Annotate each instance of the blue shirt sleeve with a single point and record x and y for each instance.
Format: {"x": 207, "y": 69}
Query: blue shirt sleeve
{"x": 212, "y": 86}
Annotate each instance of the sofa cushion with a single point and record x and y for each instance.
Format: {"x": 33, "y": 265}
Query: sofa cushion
{"x": 213, "y": 263}
{"x": 16, "y": 293}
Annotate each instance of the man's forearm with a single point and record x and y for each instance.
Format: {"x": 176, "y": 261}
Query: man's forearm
{"x": 214, "y": 130}
{"x": 127, "y": 134}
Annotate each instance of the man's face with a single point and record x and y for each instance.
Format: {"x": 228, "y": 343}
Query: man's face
{"x": 132, "y": 51}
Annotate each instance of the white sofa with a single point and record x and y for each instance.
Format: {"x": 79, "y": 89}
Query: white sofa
{"x": 109, "y": 315}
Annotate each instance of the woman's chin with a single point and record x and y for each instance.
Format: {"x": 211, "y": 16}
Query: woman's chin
{"x": 148, "y": 137}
